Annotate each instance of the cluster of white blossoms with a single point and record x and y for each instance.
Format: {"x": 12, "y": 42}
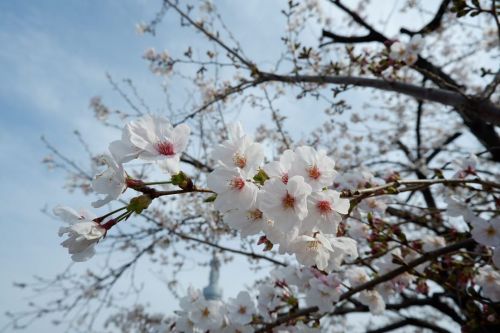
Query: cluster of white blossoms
{"x": 288, "y": 287}
{"x": 293, "y": 203}
{"x": 407, "y": 52}
{"x": 289, "y": 201}
{"x": 160, "y": 63}
{"x": 150, "y": 138}
{"x": 198, "y": 314}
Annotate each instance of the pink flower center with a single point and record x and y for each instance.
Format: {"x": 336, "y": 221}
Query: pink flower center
{"x": 288, "y": 201}
{"x": 254, "y": 215}
{"x": 165, "y": 148}
{"x": 237, "y": 183}
{"x": 242, "y": 310}
{"x": 324, "y": 207}
{"x": 314, "y": 172}
{"x": 239, "y": 160}
{"x": 284, "y": 178}
{"x": 313, "y": 245}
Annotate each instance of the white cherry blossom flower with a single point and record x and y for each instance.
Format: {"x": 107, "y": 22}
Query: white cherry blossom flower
{"x": 323, "y": 293}
{"x": 207, "y": 315}
{"x": 285, "y": 204}
{"x": 324, "y": 209}
{"x": 373, "y": 204}
{"x": 416, "y": 44}
{"x": 268, "y": 298}
{"x": 431, "y": 243}
{"x": 191, "y": 297}
{"x": 344, "y": 248}
{"x": 358, "y": 230}
{"x": 397, "y": 51}
{"x": 373, "y": 300}
{"x": 410, "y": 58}
{"x": 355, "y": 180}
{"x": 239, "y": 151}
{"x": 111, "y": 182}
{"x": 489, "y": 280}
{"x": 407, "y": 52}
{"x": 247, "y": 221}
{"x": 356, "y": 276}
{"x": 283, "y": 238}
{"x": 152, "y": 138}
{"x": 279, "y": 169}
{"x": 83, "y": 232}
{"x": 315, "y": 250}
{"x": 184, "y": 324}
{"x": 233, "y": 190}
{"x": 486, "y": 232}
{"x": 458, "y": 207}
{"x": 241, "y": 309}
{"x": 316, "y": 168}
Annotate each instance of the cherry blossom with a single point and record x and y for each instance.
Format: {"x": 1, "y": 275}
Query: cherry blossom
{"x": 316, "y": 168}
{"x": 268, "y": 299}
{"x": 486, "y": 232}
{"x": 466, "y": 166}
{"x": 241, "y": 309}
{"x": 152, "y": 138}
{"x": 247, "y": 221}
{"x": 431, "y": 242}
{"x": 356, "y": 276}
{"x": 83, "y": 232}
{"x": 111, "y": 182}
{"x": 324, "y": 211}
{"x": 286, "y": 203}
{"x": 313, "y": 250}
{"x": 233, "y": 191}
{"x": 344, "y": 248}
{"x": 323, "y": 293}
{"x": 279, "y": 169}
{"x": 489, "y": 280}
{"x": 239, "y": 151}
{"x": 373, "y": 300}
{"x": 407, "y": 52}
{"x": 207, "y": 314}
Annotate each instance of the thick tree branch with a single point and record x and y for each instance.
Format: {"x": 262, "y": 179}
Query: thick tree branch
{"x": 471, "y": 114}
{"x": 434, "y": 24}
{"x": 484, "y": 108}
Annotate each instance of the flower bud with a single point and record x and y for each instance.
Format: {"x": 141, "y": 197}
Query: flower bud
{"x": 138, "y": 204}
{"x": 183, "y": 181}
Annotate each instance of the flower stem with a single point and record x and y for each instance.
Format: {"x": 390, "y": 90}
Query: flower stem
{"x": 99, "y": 219}
{"x": 158, "y": 183}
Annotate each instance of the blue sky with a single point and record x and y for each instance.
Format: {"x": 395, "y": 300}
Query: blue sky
{"x": 54, "y": 58}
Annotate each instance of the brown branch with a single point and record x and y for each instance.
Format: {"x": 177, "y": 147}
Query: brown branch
{"x": 484, "y": 109}
{"x": 210, "y": 36}
{"x": 374, "y": 34}
{"x": 433, "y": 25}
{"x": 228, "y": 249}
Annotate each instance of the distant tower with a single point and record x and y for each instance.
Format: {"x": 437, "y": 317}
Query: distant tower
{"x": 213, "y": 291}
